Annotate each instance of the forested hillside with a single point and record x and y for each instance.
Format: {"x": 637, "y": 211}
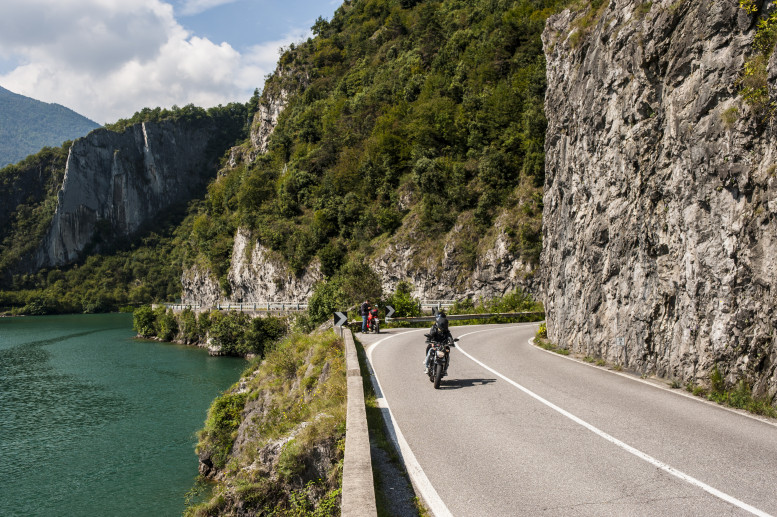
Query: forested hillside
{"x": 405, "y": 120}
{"x": 28, "y": 125}
{"x": 116, "y": 267}
{"x": 411, "y": 121}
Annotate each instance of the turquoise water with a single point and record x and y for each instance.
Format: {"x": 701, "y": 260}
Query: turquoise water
{"x": 95, "y": 423}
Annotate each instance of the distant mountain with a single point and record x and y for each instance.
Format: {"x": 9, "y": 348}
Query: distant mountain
{"x": 27, "y": 125}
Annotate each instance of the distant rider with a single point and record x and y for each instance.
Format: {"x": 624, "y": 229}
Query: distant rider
{"x": 364, "y": 311}
{"x": 439, "y": 333}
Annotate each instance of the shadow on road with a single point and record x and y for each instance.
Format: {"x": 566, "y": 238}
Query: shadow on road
{"x": 455, "y": 384}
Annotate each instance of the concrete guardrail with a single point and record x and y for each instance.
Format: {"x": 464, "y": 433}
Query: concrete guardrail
{"x": 358, "y": 495}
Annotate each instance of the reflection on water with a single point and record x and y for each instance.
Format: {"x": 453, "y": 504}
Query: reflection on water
{"x": 93, "y": 422}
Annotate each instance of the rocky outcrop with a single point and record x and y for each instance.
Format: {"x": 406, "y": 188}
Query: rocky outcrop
{"x": 116, "y": 183}
{"x": 660, "y": 196}
{"x": 266, "y": 119}
{"x": 278, "y": 89}
{"x": 199, "y": 287}
{"x": 256, "y": 274}
{"x": 494, "y": 271}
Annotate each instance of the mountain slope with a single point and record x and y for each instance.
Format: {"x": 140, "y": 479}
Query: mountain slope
{"x": 28, "y": 125}
{"x": 404, "y": 141}
{"x": 406, "y": 135}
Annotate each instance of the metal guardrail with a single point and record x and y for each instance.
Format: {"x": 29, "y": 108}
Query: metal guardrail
{"x": 467, "y": 316}
{"x": 241, "y": 307}
{"x": 281, "y": 306}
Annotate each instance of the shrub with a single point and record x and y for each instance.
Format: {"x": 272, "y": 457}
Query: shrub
{"x": 143, "y": 321}
{"x": 262, "y": 332}
{"x": 190, "y": 331}
{"x": 165, "y": 324}
{"x": 228, "y": 331}
{"x": 403, "y": 302}
{"x": 224, "y": 418}
{"x": 327, "y": 298}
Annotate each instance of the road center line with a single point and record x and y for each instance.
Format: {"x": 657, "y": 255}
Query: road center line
{"x": 628, "y": 448}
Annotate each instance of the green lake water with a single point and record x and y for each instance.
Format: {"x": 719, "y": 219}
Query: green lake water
{"x": 96, "y": 423}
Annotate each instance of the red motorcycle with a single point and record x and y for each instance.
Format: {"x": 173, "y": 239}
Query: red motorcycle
{"x": 373, "y": 323}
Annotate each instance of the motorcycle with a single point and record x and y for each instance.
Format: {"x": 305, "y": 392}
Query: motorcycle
{"x": 373, "y": 322}
{"x": 440, "y": 357}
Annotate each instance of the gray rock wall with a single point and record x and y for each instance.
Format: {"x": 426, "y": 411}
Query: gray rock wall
{"x": 660, "y": 195}
{"x": 115, "y": 183}
{"x": 256, "y": 274}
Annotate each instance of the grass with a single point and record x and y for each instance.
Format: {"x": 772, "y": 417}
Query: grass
{"x": 301, "y": 386}
{"x": 739, "y": 396}
{"x": 547, "y": 345}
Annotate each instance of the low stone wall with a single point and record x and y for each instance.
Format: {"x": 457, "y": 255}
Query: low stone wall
{"x": 358, "y": 486}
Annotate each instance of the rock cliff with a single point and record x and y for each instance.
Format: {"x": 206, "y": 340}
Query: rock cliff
{"x": 115, "y": 183}
{"x": 257, "y": 274}
{"x": 660, "y": 195}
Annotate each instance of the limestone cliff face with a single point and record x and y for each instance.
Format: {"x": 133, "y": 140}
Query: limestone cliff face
{"x": 281, "y": 85}
{"x": 495, "y": 271}
{"x": 115, "y": 183}
{"x": 660, "y": 195}
{"x": 257, "y": 274}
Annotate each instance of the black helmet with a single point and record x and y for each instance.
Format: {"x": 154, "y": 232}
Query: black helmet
{"x": 442, "y": 322}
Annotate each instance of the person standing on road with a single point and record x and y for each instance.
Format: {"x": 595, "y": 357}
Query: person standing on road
{"x": 364, "y": 311}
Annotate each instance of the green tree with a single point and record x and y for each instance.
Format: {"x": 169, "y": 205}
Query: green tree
{"x": 143, "y": 321}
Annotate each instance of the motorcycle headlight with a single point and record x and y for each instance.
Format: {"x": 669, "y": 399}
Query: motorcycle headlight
{"x": 440, "y": 354}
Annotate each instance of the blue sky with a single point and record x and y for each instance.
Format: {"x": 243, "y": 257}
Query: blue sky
{"x": 107, "y": 59}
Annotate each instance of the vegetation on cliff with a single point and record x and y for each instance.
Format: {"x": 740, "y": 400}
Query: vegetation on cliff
{"x": 403, "y": 118}
{"x": 28, "y": 199}
{"x": 754, "y": 86}
{"x": 274, "y": 442}
{"x": 233, "y": 333}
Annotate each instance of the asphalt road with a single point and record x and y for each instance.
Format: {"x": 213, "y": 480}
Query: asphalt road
{"x": 516, "y": 430}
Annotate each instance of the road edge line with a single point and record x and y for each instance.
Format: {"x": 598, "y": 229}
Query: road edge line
{"x": 432, "y": 499}
{"x": 678, "y": 391}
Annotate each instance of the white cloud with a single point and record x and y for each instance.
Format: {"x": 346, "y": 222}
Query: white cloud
{"x": 191, "y": 7}
{"x": 107, "y": 59}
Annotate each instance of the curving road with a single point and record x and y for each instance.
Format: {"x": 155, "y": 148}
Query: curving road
{"x": 516, "y": 430}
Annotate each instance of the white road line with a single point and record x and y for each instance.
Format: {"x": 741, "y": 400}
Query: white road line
{"x": 417, "y": 474}
{"x": 676, "y": 392}
{"x": 628, "y": 448}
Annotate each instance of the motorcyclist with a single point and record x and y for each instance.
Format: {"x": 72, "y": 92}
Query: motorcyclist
{"x": 439, "y": 333}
